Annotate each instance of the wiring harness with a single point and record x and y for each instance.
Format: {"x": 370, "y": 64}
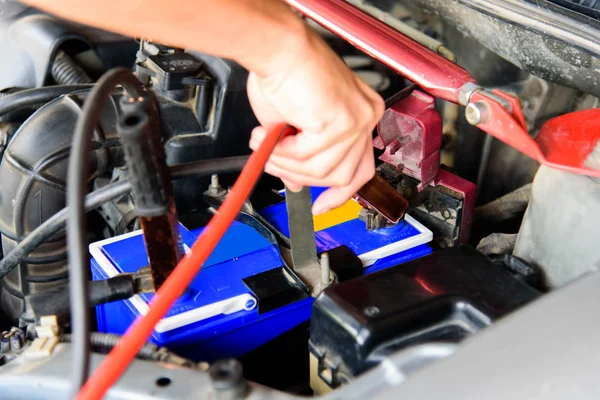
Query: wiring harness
{"x": 77, "y": 185}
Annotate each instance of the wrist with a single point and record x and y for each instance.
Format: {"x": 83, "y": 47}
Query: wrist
{"x": 288, "y": 44}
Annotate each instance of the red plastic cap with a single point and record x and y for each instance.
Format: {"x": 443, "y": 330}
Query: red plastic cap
{"x": 411, "y": 134}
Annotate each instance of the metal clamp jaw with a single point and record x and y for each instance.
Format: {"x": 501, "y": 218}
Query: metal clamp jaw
{"x": 315, "y": 273}
{"x": 500, "y": 115}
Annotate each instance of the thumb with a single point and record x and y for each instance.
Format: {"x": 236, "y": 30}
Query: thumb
{"x": 294, "y": 187}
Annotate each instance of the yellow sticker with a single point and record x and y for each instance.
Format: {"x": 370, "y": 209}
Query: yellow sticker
{"x": 344, "y": 213}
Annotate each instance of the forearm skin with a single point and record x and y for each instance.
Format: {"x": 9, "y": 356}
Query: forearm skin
{"x": 262, "y": 35}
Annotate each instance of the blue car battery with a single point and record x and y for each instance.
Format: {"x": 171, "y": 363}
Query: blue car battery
{"x": 220, "y": 315}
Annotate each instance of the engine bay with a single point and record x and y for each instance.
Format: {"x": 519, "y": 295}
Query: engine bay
{"x": 466, "y": 268}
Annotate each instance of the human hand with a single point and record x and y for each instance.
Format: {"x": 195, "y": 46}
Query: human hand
{"x": 335, "y": 113}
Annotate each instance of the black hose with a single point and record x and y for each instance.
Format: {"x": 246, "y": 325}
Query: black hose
{"x": 33, "y": 97}
{"x": 11, "y": 90}
{"x": 77, "y": 188}
{"x": 149, "y": 351}
{"x": 110, "y": 192}
{"x": 65, "y": 71}
{"x": 21, "y": 114}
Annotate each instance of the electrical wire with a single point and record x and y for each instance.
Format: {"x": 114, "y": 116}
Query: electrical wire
{"x": 119, "y": 358}
{"x": 32, "y": 97}
{"x": 103, "y": 195}
{"x": 77, "y": 188}
{"x": 107, "y": 341}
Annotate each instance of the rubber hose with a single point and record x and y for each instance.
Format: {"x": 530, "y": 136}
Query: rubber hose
{"x": 33, "y": 174}
{"x": 78, "y": 174}
{"x": 32, "y": 97}
{"x": 110, "y": 192}
{"x": 65, "y": 71}
{"x": 18, "y": 115}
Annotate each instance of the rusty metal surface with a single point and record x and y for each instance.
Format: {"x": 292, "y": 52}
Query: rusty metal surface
{"x": 163, "y": 245}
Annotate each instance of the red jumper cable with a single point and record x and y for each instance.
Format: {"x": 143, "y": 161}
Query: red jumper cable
{"x": 495, "y": 112}
{"x": 119, "y": 358}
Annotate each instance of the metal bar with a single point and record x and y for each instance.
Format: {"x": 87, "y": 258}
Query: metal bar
{"x": 302, "y": 231}
{"x": 427, "y": 69}
{"x": 403, "y": 27}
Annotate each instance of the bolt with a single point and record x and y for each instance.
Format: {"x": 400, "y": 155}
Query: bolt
{"x": 227, "y": 377}
{"x": 325, "y": 268}
{"x": 465, "y": 93}
{"x": 203, "y": 366}
{"x": 371, "y": 311}
{"x": 214, "y": 189}
{"x": 4, "y": 345}
{"x": 16, "y": 343}
{"x": 214, "y": 181}
{"x": 477, "y": 113}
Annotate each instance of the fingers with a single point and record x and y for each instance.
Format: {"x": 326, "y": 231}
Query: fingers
{"x": 347, "y": 126}
{"x": 258, "y": 135}
{"x": 294, "y": 187}
{"x": 340, "y": 175}
{"x": 337, "y": 196}
{"x": 321, "y": 164}
{"x": 335, "y": 113}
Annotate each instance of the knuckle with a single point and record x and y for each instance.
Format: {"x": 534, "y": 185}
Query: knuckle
{"x": 370, "y": 171}
{"x": 378, "y": 108}
{"x": 302, "y": 155}
{"x": 347, "y": 121}
{"x": 373, "y": 112}
{"x": 343, "y": 178}
{"x": 319, "y": 172}
{"x": 320, "y": 125}
{"x": 366, "y": 174}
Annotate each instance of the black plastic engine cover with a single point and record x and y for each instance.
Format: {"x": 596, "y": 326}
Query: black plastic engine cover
{"x": 446, "y": 296}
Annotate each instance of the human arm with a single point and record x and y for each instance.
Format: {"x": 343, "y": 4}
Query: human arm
{"x": 295, "y": 78}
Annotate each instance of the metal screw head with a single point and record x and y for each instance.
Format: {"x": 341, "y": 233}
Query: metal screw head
{"x": 325, "y": 269}
{"x": 214, "y": 181}
{"x": 226, "y": 374}
{"x": 477, "y": 113}
{"x": 473, "y": 114}
{"x": 203, "y": 366}
{"x": 371, "y": 311}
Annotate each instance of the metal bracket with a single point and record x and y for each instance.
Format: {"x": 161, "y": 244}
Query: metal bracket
{"x": 304, "y": 259}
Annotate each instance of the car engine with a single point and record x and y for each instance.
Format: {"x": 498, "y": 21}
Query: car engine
{"x": 465, "y": 269}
